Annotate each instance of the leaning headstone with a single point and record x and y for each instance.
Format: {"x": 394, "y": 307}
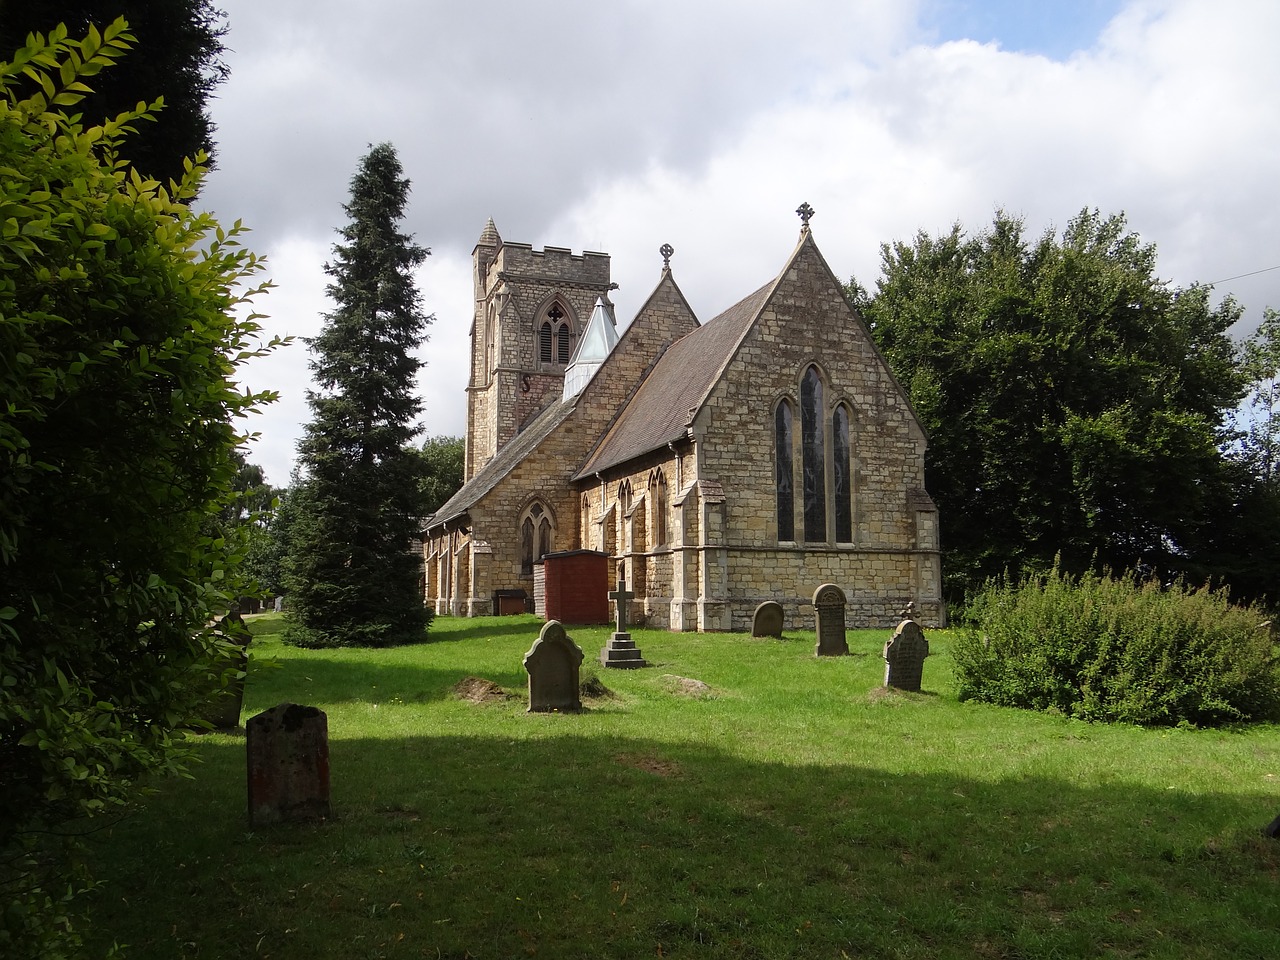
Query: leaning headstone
{"x": 621, "y": 651}
{"x": 828, "y": 605}
{"x": 288, "y": 754}
{"x": 553, "y": 663}
{"x": 767, "y": 621}
{"x": 904, "y": 657}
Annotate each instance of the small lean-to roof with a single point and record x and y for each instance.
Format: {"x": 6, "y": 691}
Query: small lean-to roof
{"x": 661, "y": 409}
{"x": 503, "y": 462}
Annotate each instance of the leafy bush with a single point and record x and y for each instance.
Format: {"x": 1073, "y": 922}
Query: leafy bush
{"x": 120, "y": 337}
{"x": 1112, "y": 649}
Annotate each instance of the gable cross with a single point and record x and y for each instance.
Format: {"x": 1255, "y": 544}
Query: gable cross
{"x": 805, "y": 212}
{"x": 620, "y": 597}
{"x": 666, "y": 250}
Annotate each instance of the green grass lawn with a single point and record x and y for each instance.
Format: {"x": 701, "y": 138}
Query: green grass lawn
{"x": 799, "y": 811}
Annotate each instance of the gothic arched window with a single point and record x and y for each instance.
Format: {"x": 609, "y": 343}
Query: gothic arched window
{"x": 537, "y": 536}
{"x": 784, "y": 471}
{"x": 842, "y": 479}
{"x": 555, "y": 336}
{"x": 813, "y": 456}
{"x": 658, "y": 491}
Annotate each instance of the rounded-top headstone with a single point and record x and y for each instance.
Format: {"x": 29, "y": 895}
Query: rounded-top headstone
{"x": 767, "y": 620}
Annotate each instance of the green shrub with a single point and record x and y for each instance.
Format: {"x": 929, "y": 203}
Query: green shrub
{"x": 120, "y": 339}
{"x": 1107, "y": 648}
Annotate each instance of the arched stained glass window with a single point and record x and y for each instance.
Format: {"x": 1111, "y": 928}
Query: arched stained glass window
{"x": 784, "y": 471}
{"x": 526, "y": 546}
{"x": 841, "y": 477}
{"x": 813, "y": 458}
{"x": 658, "y": 488}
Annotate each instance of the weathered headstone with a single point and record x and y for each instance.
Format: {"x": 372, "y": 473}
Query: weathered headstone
{"x": 828, "y": 605}
{"x": 767, "y": 620}
{"x": 621, "y": 651}
{"x": 904, "y": 657}
{"x": 288, "y": 758}
{"x": 554, "y": 663}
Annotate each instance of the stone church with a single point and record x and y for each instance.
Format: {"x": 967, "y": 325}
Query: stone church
{"x": 752, "y": 457}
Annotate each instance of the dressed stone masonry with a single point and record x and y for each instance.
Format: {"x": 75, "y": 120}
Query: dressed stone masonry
{"x": 719, "y": 465}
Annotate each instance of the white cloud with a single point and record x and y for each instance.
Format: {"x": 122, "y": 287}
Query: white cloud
{"x": 624, "y": 126}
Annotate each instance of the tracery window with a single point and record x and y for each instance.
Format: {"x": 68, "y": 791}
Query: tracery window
{"x": 555, "y": 336}
{"x": 784, "y": 470}
{"x": 813, "y": 456}
{"x": 537, "y": 536}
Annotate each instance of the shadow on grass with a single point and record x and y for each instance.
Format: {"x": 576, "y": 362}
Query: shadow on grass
{"x": 574, "y": 846}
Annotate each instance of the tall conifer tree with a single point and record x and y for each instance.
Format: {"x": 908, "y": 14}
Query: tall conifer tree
{"x": 352, "y": 580}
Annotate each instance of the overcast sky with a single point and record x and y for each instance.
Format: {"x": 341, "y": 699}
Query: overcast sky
{"x": 620, "y": 126}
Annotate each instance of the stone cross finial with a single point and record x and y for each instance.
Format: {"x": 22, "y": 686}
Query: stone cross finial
{"x": 666, "y": 250}
{"x": 620, "y": 597}
{"x": 805, "y": 212}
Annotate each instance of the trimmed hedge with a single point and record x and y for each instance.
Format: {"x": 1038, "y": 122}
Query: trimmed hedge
{"x": 1106, "y": 648}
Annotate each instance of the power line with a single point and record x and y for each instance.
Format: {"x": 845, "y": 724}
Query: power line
{"x": 1241, "y": 276}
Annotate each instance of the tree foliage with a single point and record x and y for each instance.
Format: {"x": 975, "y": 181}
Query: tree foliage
{"x": 444, "y": 463}
{"x": 120, "y": 336}
{"x": 351, "y": 576}
{"x": 177, "y": 56}
{"x": 1075, "y": 402}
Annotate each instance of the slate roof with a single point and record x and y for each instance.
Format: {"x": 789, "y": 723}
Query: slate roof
{"x": 503, "y": 462}
{"x": 679, "y": 383}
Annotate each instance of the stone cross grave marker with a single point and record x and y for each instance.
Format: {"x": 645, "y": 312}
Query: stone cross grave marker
{"x": 621, "y": 651}
{"x": 828, "y": 606}
{"x": 904, "y": 657}
{"x": 287, "y": 748}
{"x": 554, "y": 663}
{"x": 767, "y": 620}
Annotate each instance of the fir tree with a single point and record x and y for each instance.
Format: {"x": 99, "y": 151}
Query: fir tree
{"x": 352, "y": 578}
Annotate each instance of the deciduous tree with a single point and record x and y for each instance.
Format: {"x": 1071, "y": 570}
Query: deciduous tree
{"x": 177, "y": 56}
{"x": 1075, "y": 402}
{"x": 352, "y": 578}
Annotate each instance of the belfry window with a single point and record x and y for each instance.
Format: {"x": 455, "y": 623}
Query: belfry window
{"x": 555, "y": 337}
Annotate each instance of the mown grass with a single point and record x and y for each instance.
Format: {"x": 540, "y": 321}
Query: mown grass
{"x": 799, "y": 811}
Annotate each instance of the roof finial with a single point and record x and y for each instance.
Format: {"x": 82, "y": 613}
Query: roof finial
{"x": 666, "y": 250}
{"x": 805, "y": 212}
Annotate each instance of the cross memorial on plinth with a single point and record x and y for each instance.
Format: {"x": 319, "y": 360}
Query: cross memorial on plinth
{"x": 620, "y": 596}
{"x": 621, "y": 650}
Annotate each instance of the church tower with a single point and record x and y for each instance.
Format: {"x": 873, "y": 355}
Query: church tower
{"x": 531, "y": 310}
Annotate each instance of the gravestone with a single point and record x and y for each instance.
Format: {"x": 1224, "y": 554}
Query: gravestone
{"x": 288, "y": 759}
{"x": 553, "y": 663}
{"x": 621, "y": 651}
{"x": 767, "y": 621}
{"x": 904, "y": 657}
{"x": 222, "y": 709}
{"x": 828, "y": 606}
